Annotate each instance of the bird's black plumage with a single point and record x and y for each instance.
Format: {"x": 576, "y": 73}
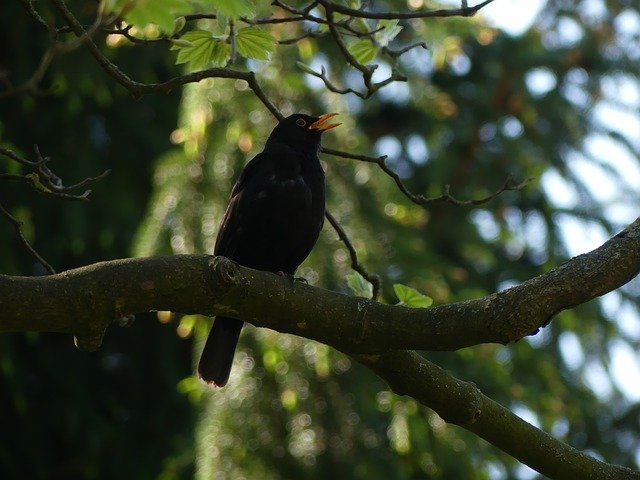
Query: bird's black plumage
{"x": 272, "y": 221}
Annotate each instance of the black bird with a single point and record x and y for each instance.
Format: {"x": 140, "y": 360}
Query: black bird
{"x": 273, "y": 219}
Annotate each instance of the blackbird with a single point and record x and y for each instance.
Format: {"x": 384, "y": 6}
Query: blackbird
{"x": 273, "y": 219}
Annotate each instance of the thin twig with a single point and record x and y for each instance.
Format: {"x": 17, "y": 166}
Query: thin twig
{"x": 421, "y": 200}
{"x": 292, "y": 40}
{"x": 31, "y": 9}
{"x": 55, "y": 48}
{"x": 367, "y": 72}
{"x": 43, "y": 180}
{"x": 453, "y": 12}
{"x": 373, "y": 279}
{"x": 397, "y": 53}
{"x": 17, "y": 225}
{"x": 322, "y": 75}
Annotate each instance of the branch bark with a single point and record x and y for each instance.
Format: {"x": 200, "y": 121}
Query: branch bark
{"x": 462, "y": 403}
{"x": 84, "y": 301}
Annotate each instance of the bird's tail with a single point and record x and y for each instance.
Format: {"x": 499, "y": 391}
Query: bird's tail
{"x": 217, "y": 356}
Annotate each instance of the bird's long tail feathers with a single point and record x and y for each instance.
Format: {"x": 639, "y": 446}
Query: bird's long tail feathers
{"x": 217, "y": 356}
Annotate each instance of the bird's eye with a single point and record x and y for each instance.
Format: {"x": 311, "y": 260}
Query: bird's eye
{"x": 300, "y": 122}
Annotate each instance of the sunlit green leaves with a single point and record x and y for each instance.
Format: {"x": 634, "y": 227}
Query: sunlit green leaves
{"x": 389, "y": 32}
{"x": 253, "y": 42}
{"x": 220, "y": 53}
{"x": 142, "y": 12}
{"x": 410, "y": 297}
{"x": 200, "y": 48}
{"x": 363, "y": 51}
{"x": 234, "y": 8}
{"x": 359, "y": 286}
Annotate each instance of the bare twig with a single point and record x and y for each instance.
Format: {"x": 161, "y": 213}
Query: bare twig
{"x": 322, "y": 75}
{"x": 31, "y": 9}
{"x": 508, "y": 185}
{"x": 292, "y": 40}
{"x": 55, "y": 48}
{"x": 373, "y": 279}
{"x": 421, "y": 200}
{"x": 17, "y": 225}
{"x": 43, "y": 180}
{"x": 397, "y": 53}
{"x": 453, "y": 12}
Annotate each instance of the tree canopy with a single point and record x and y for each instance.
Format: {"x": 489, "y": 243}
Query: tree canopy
{"x": 475, "y": 169}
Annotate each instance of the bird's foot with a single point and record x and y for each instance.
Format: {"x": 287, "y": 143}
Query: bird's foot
{"x": 292, "y": 278}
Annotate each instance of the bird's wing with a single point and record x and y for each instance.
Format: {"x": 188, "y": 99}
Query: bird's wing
{"x": 227, "y": 240}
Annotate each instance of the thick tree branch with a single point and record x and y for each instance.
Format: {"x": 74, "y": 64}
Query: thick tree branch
{"x": 462, "y": 403}
{"x": 83, "y": 301}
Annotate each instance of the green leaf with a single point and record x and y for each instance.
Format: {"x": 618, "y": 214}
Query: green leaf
{"x": 234, "y": 8}
{"x": 199, "y": 48}
{"x": 391, "y": 31}
{"x": 160, "y": 12}
{"x": 359, "y": 286}
{"x": 410, "y": 297}
{"x": 221, "y": 53}
{"x": 252, "y": 42}
{"x": 363, "y": 51}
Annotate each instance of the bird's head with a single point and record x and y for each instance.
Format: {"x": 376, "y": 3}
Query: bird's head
{"x": 302, "y": 131}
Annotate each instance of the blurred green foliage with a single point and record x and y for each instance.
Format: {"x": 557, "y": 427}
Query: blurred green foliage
{"x": 479, "y": 105}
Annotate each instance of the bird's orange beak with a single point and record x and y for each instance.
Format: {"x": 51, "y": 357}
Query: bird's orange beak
{"x": 320, "y": 123}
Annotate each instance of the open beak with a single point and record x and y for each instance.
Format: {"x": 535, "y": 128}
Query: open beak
{"x": 320, "y": 123}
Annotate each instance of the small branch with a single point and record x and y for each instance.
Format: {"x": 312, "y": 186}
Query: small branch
{"x": 138, "y": 89}
{"x": 17, "y": 225}
{"x": 84, "y": 301}
{"x": 84, "y": 183}
{"x": 77, "y": 299}
{"x": 14, "y": 156}
{"x": 373, "y": 279}
{"x": 232, "y": 41}
{"x": 395, "y": 54}
{"x": 508, "y": 186}
{"x": 291, "y": 41}
{"x": 421, "y": 200}
{"x": 43, "y": 180}
{"x": 55, "y": 48}
{"x": 322, "y": 75}
{"x": 367, "y": 72}
{"x": 453, "y": 12}
{"x": 31, "y": 9}
{"x": 462, "y": 403}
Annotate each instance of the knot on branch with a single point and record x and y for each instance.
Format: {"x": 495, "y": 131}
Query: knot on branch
{"x": 225, "y": 273}
{"x": 90, "y": 340}
{"x": 467, "y": 411}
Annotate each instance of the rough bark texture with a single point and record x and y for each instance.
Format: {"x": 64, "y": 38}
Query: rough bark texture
{"x": 84, "y": 301}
